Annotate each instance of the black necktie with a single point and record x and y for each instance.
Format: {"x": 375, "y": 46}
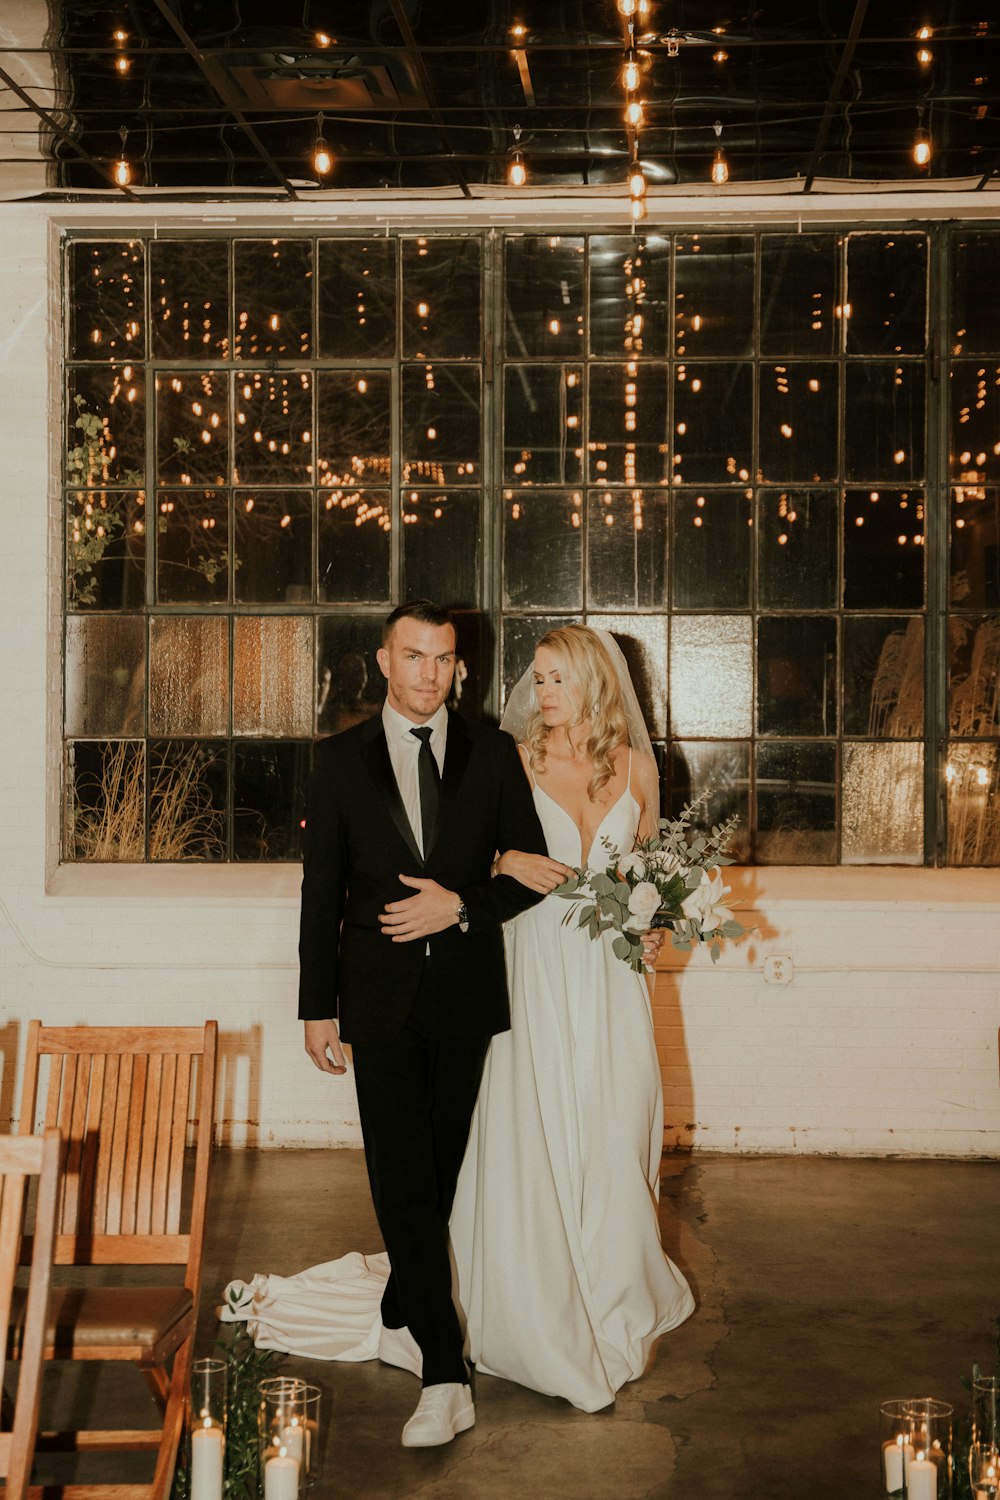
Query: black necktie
{"x": 430, "y": 787}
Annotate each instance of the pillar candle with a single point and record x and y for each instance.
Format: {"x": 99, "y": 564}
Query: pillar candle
{"x": 281, "y": 1478}
{"x": 293, "y": 1441}
{"x": 893, "y": 1455}
{"x": 921, "y": 1479}
{"x": 207, "y": 1447}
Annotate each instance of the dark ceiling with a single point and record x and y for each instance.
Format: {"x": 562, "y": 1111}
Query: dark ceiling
{"x": 223, "y": 95}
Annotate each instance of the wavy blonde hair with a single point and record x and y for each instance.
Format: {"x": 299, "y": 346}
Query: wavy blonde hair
{"x": 591, "y": 676}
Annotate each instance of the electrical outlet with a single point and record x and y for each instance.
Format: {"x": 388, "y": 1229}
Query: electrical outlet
{"x": 778, "y": 969}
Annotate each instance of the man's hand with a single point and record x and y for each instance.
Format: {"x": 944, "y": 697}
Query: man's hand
{"x": 323, "y": 1046}
{"x": 431, "y": 910}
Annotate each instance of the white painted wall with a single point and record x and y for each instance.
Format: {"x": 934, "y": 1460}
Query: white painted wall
{"x": 885, "y": 1041}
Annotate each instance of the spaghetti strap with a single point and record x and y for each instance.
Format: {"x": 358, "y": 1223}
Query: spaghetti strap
{"x": 629, "y": 783}
{"x": 526, "y": 763}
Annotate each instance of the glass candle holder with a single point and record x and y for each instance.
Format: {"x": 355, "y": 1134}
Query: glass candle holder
{"x": 282, "y": 1433}
{"x": 311, "y": 1395}
{"x": 208, "y": 1428}
{"x": 986, "y": 1410}
{"x": 916, "y": 1449}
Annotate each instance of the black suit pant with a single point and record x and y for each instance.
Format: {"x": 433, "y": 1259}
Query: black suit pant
{"x": 416, "y": 1095}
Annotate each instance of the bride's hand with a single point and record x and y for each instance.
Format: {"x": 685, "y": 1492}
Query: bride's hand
{"x": 652, "y": 942}
{"x": 536, "y": 871}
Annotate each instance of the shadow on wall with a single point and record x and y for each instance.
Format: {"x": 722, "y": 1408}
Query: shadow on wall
{"x": 237, "y": 1107}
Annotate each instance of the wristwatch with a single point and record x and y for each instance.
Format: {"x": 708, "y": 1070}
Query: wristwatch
{"x": 463, "y": 917}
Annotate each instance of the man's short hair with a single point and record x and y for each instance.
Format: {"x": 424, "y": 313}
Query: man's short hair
{"x": 423, "y": 610}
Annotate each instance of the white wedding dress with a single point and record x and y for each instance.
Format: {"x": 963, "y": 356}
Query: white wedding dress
{"x": 561, "y": 1275}
{"x": 555, "y": 1231}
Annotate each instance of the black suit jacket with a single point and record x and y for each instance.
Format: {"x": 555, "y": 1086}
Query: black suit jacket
{"x": 358, "y": 841}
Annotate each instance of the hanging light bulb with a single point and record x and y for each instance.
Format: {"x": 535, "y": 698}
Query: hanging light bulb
{"x": 638, "y": 209}
{"x": 630, "y": 73}
{"x": 720, "y": 167}
{"x": 322, "y": 155}
{"x": 123, "y": 172}
{"x": 922, "y": 147}
{"x": 517, "y": 172}
{"x": 633, "y": 113}
{"x": 627, "y": 8}
{"x": 636, "y": 181}
{"x": 122, "y": 64}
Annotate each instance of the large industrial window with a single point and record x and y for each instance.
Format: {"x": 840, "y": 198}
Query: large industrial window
{"x": 731, "y": 449}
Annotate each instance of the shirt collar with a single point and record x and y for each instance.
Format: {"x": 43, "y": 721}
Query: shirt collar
{"x": 399, "y": 726}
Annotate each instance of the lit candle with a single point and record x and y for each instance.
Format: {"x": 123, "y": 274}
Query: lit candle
{"x": 293, "y": 1439}
{"x": 921, "y": 1479}
{"x": 893, "y": 1455}
{"x": 207, "y": 1447}
{"x": 281, "y": 1477}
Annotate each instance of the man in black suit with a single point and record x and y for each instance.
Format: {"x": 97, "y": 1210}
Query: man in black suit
{"x": 401, "y": 941}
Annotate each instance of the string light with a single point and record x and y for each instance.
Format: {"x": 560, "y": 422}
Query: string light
{"x": 720, "y": 167}
{"x": 628, "y": 8}
{"x": 123, "y": 172}
{"x": 517, "y": 172}
{"x": 322, "y": 155}
{"x": 922, "y": 143}
{"x": 630, "y": 73}
{"x": 636, "y": 181}
{"x": 633, "y": 113}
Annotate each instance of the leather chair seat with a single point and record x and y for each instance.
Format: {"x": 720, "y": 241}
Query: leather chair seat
{"x": 108, "y": 1317}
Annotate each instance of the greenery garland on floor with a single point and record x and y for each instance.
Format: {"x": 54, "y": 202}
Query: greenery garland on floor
{"x": 246, "y": 1367}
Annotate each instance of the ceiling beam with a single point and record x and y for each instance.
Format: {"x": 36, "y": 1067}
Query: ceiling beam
{"x": 413, "y": 51}
{"x": 846, "y": 56}
{"x": 220, "y": 89}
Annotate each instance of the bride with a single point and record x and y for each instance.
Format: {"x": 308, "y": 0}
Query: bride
{"x": 555, "y": 1233}
{"x": 561, "y": 1277}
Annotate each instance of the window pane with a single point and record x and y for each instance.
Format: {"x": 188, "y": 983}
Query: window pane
{"x": 105, "y": 550}
{"x": 192, "y": 427}
{"x": 975, "y": 422}
{"x": 797, "y": 549}
{"x": 350, "y": 685}
{"x": 273, "y": 298}
{"x": 887, "y": 293}
{"x": 272, "y": 561}
{"x": 796, "y": 804}
{"x": 974, "y": 325}
{"x": 629, "y": 281}
{"x": 543, "y": 424}
{"x": 714, "y": 288}
{"x": 797, "y": 673}
{"x": 357, "y": 298}
{"x": 798, "y": 293}
{"x": 441, "y": 298}
{"x": 543, "y": 549}
{"x": 713, "y": 423}
{"x": 627, "y": 549}
{"x": 441, "y": 547}
{"x": 354, "y": 541}
{"x": 106, "y": 300}
{"x": 188, "y": 675}
{"x": 975, "y": 548}
{"x": 269, "y": 784}
{"x": 544, "y": 296}
{"x": 711, "y": 676}
{"x": 884, "y": 677}
{"x": 721, "y": 772}
{"x": 643, "y": 642}
{"x": 883, "y": 549}
{"x": 273, "y": 443}
{"x": 441, "y": 425}
{"x": 884, "y": 416}
{"x": 189, "y": 298}
{"x": 105, "y": 674}
{"x": 628, "y": 424}
{"x": 192, "y": 547}
{"x": 883, "y": 804}
{"x": 105, "y": 800}
{"x": 711, "y": 552}
{"x": 973, "y": 780}
{"x": 355, "y": 427}
{"x": 272, "y": 676}
{"x": 187, "y": 800}
{"x": 106, "y": 427}
{"x": 974, "y": 674}
{"x": 798, "y": 423}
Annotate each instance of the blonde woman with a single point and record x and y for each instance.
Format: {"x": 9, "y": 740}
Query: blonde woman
{"x": 561, "y": 1272}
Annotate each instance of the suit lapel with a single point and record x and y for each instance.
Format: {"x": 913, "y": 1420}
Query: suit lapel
{"x": 456, "y": 757}
{"x": 376, "y": 753}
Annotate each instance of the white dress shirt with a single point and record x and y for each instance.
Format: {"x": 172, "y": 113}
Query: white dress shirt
{"x": 404, "y": 750}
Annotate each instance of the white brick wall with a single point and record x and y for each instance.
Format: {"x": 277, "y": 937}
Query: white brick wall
{"x": 886, "y": 1041}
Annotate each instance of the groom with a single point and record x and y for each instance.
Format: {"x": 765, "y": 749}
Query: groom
{"x": 401, "y": 942}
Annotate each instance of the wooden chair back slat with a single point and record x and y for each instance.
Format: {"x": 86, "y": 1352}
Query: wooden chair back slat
{"x": 106, "y": 1134}
{"x": 161, "y": 1166}
{"x": 12, "y": 1186}
{"x": 147, "y": 1153}
{"x": 119, "y": 1142}
{"x": 133, "y": 1142}
{"x": 91, "y": 1136}
{"x": 178, "y": 1140}
{"x": 66, "y": 1110}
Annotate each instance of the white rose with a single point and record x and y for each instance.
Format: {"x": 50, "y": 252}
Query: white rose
{"x": 643, "y": 905}
{"x": 631, "y": 864}
{"x": 705, "y": 904}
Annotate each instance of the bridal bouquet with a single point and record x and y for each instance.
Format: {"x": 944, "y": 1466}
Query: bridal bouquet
{"x": 670, "y": 880}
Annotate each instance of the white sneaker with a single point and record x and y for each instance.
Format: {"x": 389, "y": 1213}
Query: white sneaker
{"x": 443, "y": 1411}
{"x": 397, "y": 1346}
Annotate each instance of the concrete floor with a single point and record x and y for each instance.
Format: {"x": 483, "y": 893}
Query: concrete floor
{"x": 823, "y": 1287}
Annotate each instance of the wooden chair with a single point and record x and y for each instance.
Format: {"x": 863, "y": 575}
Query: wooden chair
{"x": 122, "y": 1098}
{"x": 20, "y": 1160}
